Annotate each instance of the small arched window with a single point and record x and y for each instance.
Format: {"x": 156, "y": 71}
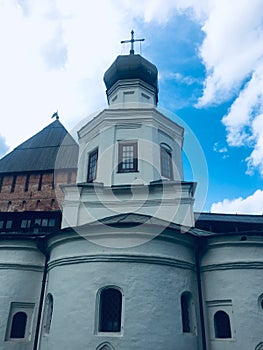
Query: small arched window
{"x": 186, "y": 312}
{"x": 259, "y": 346}
{"x": 222, "y": 325}
{"x": 105, "y": 346}
{"x": 48, "y": 313}
{"x": 110, "y": 307}
{"x": 18, "y": 327}
{"x": 260, "y": 302}
{"x": 166, "y": 161}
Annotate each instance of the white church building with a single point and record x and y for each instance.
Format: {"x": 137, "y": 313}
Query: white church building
{"x": 131, "y": 267}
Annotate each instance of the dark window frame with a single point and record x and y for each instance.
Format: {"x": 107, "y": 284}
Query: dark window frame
{"x": 93, "y": 165}
{"x": 127, "y": 164}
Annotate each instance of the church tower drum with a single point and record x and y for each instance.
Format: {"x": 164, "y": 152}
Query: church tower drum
{"x": 123, "y": 266}
{"x": 131, "y": 144}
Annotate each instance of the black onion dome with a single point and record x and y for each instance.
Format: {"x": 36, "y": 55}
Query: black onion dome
{"x": 132, "y": 67}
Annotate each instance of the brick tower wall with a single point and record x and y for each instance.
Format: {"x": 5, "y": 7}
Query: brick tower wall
{"x": 37, "y": 191}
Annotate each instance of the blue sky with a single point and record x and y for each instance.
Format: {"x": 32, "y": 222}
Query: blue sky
{"x": 54, "y": 54}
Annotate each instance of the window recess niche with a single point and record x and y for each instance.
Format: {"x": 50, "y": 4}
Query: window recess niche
{"x": 220, "y": 320}
{"x": 109, "y": 316}
{"x": 20, "y": 320}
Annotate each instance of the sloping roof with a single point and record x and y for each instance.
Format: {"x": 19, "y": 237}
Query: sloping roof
{"x": 227, "y": 223}
{"x": 134, "y": 219}
{"x": 51, "y": 148}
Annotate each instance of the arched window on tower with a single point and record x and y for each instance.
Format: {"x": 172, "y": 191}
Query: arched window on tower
{"x": 222, "y": 325}
{"x": 166, "y": 161}
{"x": 110, "y": 307}
{"x": 105, "y": 346}
{"x": 48, "y": 313}
{"x": 18, "y": 327}
{"x": 92, "y": 165}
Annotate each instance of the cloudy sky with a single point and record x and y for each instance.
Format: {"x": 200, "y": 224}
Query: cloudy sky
{"x": 209, "y": 54}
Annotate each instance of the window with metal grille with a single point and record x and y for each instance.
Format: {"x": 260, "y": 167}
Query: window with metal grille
{"x": 110, "y": 310}
{"x": 222, "y": 325}
{"x": 128, "y": 157}
{"x": 18, "y": 326}
{"x": 92, "y": 165}
{"x": 166, "y": 161}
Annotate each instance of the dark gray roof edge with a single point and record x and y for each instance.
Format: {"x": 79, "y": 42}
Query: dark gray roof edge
{"x": 225, "y": 217}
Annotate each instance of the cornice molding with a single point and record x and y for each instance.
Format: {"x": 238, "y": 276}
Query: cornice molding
{"x": 121, "y": 258}
{"x": 233, "y": 266}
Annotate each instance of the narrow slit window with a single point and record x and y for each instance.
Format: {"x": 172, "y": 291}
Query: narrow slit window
{"x": 40, "y": 182}
{"x": 69, "y": 177}
{"x": 128, "y": 157}
{"x": 110, "y": 310}
{"x": 92, "y": 165}
{"x": 185, "y": 312}
{"x": 27, "y": 182}
{"x": 13, "y": 184}
{"x": 48, "y": 313}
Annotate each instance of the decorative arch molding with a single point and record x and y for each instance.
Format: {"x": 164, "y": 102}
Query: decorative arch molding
{"x": 105, "y": 346}
{"x": 259, "y": 346}
{"x": 260, "y": 305}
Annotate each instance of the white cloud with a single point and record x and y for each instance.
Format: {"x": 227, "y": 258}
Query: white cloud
{"x": 3, "y": 146}
{"x": 232, "y": 52}
{"x": 250, "y": 205}
{"x": 217, "y": 148}
{"x": 255, "y": 160}
{"x": 54, "y": 53}
{"x": 180, "y": 78}
{"x": 231, "y": 48}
